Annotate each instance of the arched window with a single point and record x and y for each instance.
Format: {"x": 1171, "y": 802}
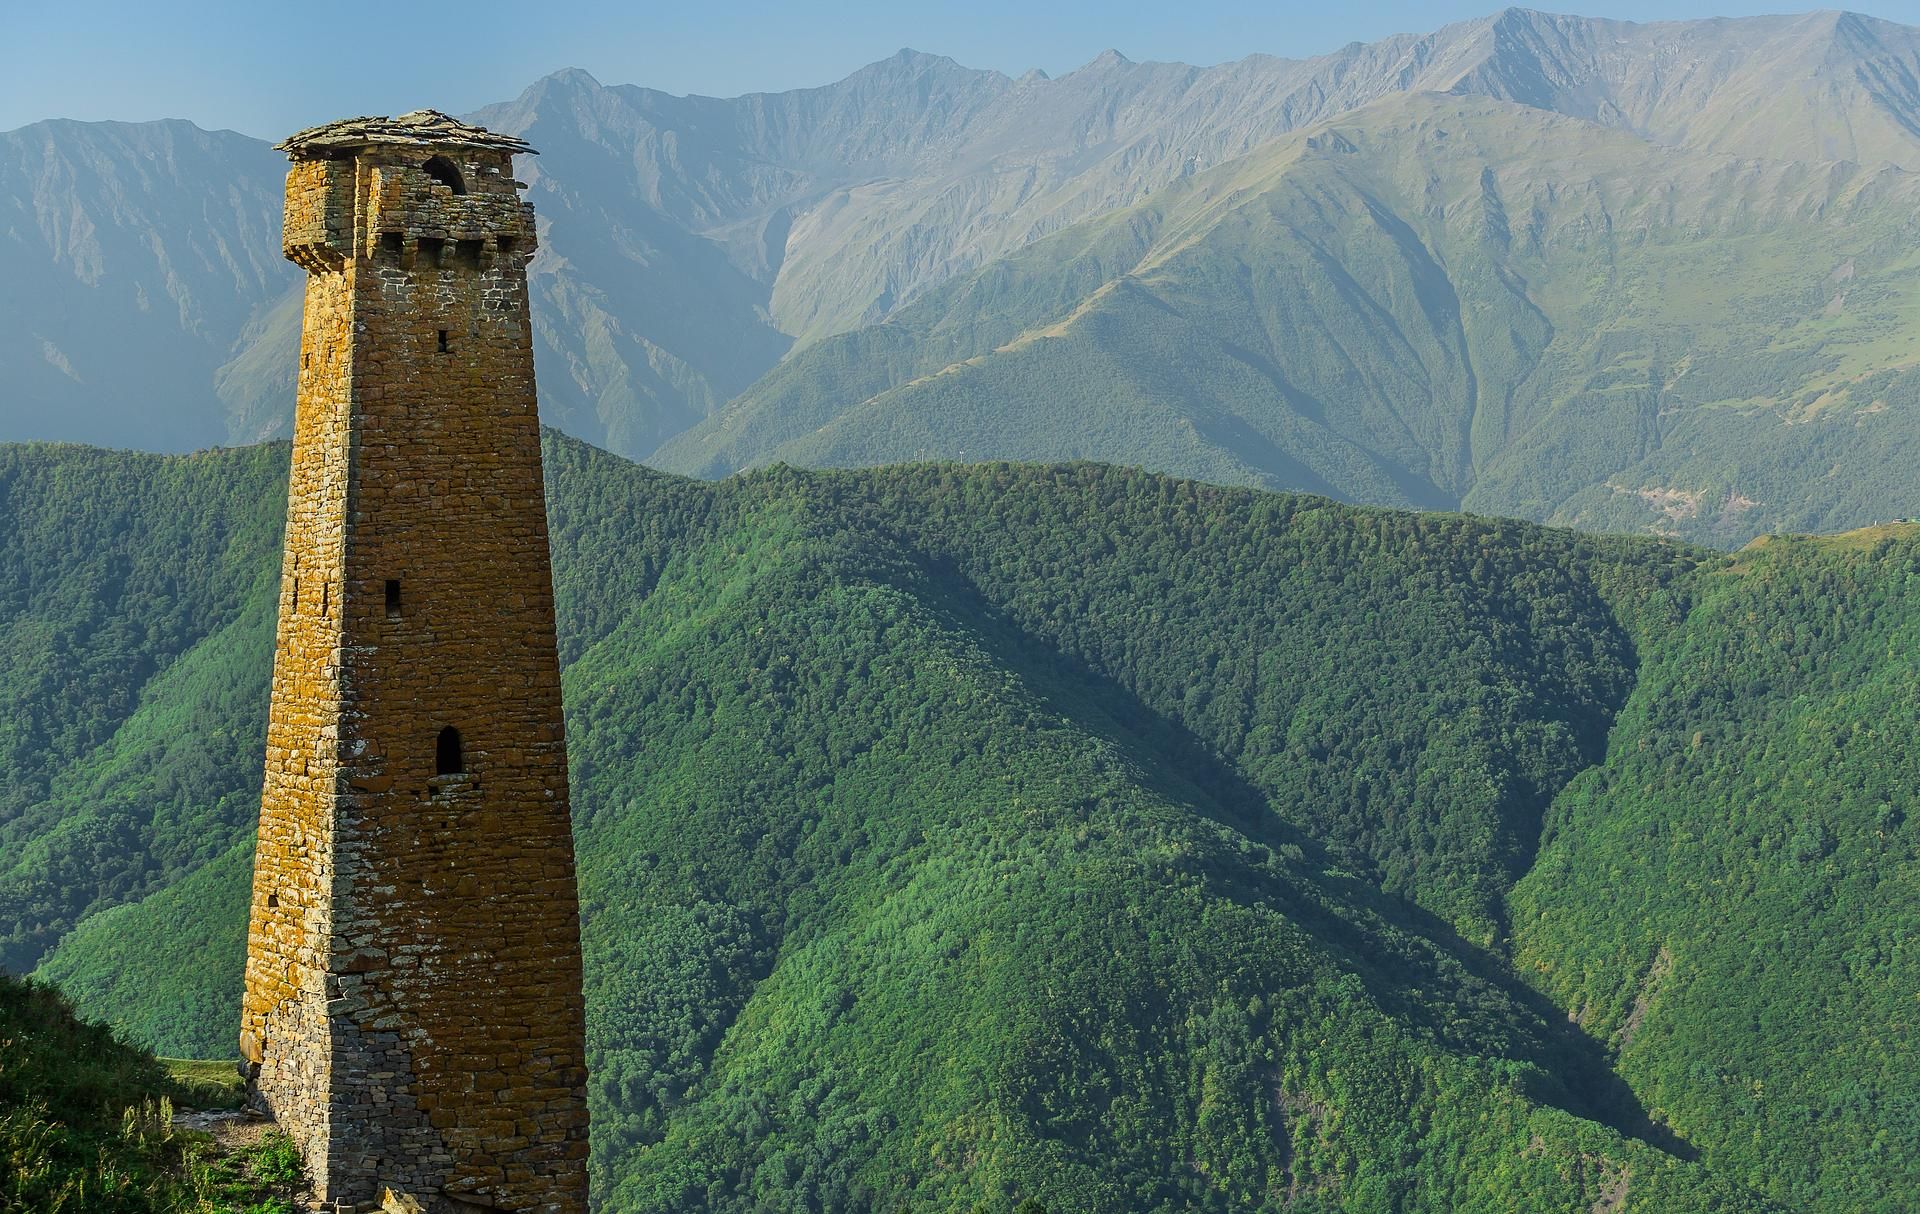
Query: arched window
{"x": 444, "y": 171}
{"x": 447, "y": 760}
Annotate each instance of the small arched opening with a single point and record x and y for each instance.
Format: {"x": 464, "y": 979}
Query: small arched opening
{"x": 446, "y": 173}
{"x": 447, "y": 759}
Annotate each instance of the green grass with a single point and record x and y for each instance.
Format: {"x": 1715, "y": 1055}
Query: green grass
{"x": 86, "y": 1125}
{"x": 205, "y": 1083}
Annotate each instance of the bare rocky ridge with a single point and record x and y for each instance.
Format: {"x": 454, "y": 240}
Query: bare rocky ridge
{"x": 133, "y": 257}
{"x": 695, "y": 241}
{"x": 1436, "y": 300}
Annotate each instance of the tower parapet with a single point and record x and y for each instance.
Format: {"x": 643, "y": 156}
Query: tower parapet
{"x": 413, "y": 1013}
{"x": 383, "y": 188}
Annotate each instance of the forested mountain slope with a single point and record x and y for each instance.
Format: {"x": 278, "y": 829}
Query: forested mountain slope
{"x": 1729, "y": 900}
{"x": 136, "y": 636}
{"x": 1437, "y": 301}
{"x": 969, "y": 833}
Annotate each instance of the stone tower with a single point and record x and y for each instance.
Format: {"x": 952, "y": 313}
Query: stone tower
{"x": 413, "y": 1014}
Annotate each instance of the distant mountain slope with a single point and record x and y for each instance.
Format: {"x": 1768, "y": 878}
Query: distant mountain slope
{"x": 831, "y": 217}
{"x": 133, "y": 257}
{"x": 1814, "y": 86}
{"x": 1435, "y": 301}
{"x": 853, "y": 215}
{"x": 691, "y": 242}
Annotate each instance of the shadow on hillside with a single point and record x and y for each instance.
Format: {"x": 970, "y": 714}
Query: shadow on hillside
{"x": 1414, "y": 965}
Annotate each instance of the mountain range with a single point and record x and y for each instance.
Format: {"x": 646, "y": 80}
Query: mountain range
{"x": 1436, "y": 302}
{"x": 1595, "y": 272}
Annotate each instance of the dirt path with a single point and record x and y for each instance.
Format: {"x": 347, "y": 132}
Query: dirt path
{"x": 232, "y": 1129}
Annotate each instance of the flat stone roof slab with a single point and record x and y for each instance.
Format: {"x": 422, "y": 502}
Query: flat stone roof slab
{"x": 421, "y": 128}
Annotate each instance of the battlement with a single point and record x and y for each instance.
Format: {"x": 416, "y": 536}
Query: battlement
{"x": 394, "y": 188}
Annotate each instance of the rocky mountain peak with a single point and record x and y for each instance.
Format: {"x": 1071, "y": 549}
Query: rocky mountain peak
{"x": 776, "y": 219}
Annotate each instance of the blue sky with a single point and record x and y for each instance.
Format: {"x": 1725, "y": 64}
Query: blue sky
{"x": 270, "y": 66}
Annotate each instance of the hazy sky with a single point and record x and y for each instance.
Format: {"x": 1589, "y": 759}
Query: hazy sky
{"x": 270, "y": 66}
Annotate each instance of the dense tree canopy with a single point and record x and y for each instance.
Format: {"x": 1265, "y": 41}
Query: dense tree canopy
{"x": 967, "y": 836}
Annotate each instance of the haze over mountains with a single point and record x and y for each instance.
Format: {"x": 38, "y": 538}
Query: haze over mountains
{"x": 1436, "y": 301}
{"x": 1642, "y": 276}
{"x": 956, "y": 835}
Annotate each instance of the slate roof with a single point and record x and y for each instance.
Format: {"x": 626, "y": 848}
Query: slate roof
{"x": 421, "y": 128}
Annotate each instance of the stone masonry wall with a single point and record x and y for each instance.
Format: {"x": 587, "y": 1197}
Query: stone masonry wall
{"x": 288, "y": 939}
{"x": 414, "y": 988}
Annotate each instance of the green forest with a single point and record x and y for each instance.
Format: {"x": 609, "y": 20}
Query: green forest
{"x": 972, "y": 837}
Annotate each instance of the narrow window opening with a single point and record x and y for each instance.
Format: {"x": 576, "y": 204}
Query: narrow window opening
{"x": 324, "y": 591}
{"x": 447, "y": 760}
{"x": 393, "y": 598}
{"x": 505, "y": 245}
{"x": 466, "y": 253}
{"x": 295, "y": 601}
{"x": 444, "y": 171}
{"x": 273, "y": 900}
{"x": 393, "y": 243}
{"x": 443, "y": 341}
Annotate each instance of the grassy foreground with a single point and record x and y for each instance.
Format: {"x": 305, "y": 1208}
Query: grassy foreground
{"x": 86, "y": 1124}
